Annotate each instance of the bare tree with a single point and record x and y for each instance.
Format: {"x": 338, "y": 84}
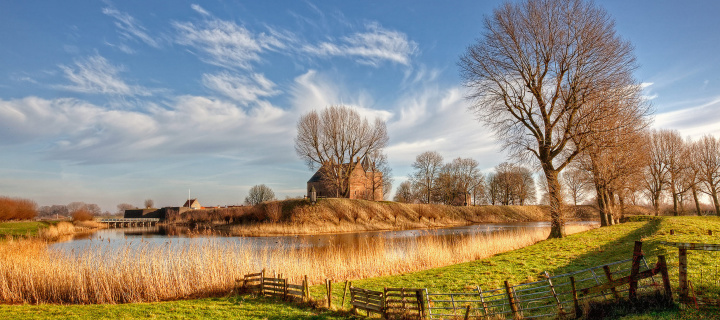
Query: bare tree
{"x": 694, "y": 160}
{"x": 656, "y": 172}
{"x": 149, "y": 203}
{"x": 379, "y": 172}
{"x": 455, "y": 181}
{"x": 336, "y": 139}
{"x": 404, "y": 193}
{"x": 427, "y": 167}
{"x": 124, "y": 206}
{"x": 259, "y": 194}
{"x": 576, "y": 183}
{"x": 512, "y": 184}
{"x": 540, "y": 75}
{"x": 674, "y": 152}
{"x": 709, "y": 167}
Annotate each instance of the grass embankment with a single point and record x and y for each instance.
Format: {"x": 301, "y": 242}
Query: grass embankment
{"x": 335, "y": 215}
{"x": 575, "y": 252}
{"x": 22, "y": 228}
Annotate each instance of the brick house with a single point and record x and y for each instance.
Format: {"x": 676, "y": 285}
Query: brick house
{"x": 364, "y": 182}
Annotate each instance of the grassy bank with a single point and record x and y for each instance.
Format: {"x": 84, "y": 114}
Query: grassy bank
{"x": 344, "y": 215}
{"x": 22, "y": 228}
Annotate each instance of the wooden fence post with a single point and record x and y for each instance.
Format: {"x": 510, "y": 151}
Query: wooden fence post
{"x": 608, "y": 274}
{"x": 511, "y": 300}
{"x": 482, "y": 300}
{"x": 682, "y": 273}
{"x": 328, "y": 287}
{"x": 419, "y": 297}
{"x": 666, "y": 278}
{"x": 637, "y": 255}
{"x": 262, "y": 282}
{"x": 347, "y": 283}
{"x": 467, "y": 312}
{"x": 578, "y": 311}
{"x": 561, "y": 312}
{"x": 306, "y": 289}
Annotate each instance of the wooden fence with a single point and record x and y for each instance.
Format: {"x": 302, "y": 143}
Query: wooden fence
{"x": 275, "y": 286}
{"x": 685, "y": 286}
{"x": 555, "y": 296}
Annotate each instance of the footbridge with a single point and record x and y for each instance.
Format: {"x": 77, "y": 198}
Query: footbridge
{"x": 130, "y": 222}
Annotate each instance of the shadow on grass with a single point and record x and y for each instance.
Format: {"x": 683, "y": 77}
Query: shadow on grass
{"x": 619, "y": 249}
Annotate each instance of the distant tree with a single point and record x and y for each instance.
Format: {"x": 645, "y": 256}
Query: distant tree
{"x": 540, "y": 75}
{"x": 149, "y": 203}
{"x": 576, "y": 184}
{"x": 124, "y": 206}
{"x": 427, "y": 167}
{"x": 709, "y": 167}
{"x": 378, "y": 167}
{"x": 655, "y": 177}
{"x": 512, "y": 184}
{"x": 336, "y": 136}
{"x": 82, "y": 215}
{"x": 76, "y": 206}
{"x": 404, "y": 193}
{"x": 259, "y": 194}
{"x": 456, "y": 180}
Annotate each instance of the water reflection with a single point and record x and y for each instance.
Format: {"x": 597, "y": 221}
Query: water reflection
{"x": 164, "y": 235}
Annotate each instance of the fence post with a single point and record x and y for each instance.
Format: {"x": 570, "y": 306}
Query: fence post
{"x": 576, "y": 303}
{"x": 467, "y": 312}
{"x": 682, "y": 274}
{"x": 328, "y": 287}
{"x": 285, "y": 289}
{"x": 347, "y": 283}
{"x": 608, "y": 274}
{"x": 419, "y": 296}
{"x": 561, "y": 312}
{"x": 511, "y": 300}
{"x": 262, "y": 282}
{"x": 666, "y": 278}
{"x": 637, "y": 255}
{"x": 482, "y": 300}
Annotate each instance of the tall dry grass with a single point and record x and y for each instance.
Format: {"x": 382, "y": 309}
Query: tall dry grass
{"x": 31, "y": 273}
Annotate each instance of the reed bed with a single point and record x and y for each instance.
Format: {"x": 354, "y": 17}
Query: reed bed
{"x": 30, "y": 272}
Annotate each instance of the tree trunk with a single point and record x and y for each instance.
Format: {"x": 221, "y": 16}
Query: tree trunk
{"x": 697, "y": 203}
{"x": 656, "y": 203}
{"x": 622, "y": 207}
{"x": 557, "y": 221}
{"x": 602, "y": 204}
{"x": 713, "y": 195}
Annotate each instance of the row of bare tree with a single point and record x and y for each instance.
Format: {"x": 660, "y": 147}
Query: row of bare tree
{"x": 460, "y": 182}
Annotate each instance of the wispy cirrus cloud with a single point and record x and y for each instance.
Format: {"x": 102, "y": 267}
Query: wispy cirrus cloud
{"x": 241, "y": 88}
{"x": 371, "y": 47}
{"x": 224, "y": 43}
{"x": 96, "y": 75}
{"x": 129, "y": 28}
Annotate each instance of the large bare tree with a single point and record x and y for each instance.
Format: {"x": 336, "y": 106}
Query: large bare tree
{"x": 336, "y": 139}
{"x": 540, "y": 74}
{"x": 656, "y": 171}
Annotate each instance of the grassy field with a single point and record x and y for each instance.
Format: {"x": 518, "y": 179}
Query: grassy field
{"x": 21, "y": 228}
{"x": 575, "y": 252}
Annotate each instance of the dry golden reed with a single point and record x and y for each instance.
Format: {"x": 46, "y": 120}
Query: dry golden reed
{"x": 137, "y": 272}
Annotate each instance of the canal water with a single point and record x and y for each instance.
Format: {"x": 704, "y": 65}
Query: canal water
{"x": 161, "y": 236}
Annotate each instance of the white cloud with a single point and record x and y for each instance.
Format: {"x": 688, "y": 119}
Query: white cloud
{"x": 81, "y": 132}
{"x": 371, "y": 47}
{"x": 129, "y": 28}
{"x": 199, "y": 9}
{"x": 693, "y": 121}
{"x": 224, "y": 43}
{"x": 241, "y": 88}
{"x": 96, "y": 75}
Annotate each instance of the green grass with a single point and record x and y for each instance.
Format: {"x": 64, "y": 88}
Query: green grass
{"x": 576, "y": 252}
{"x": 21, "y": 228}
{"x": 236, "y": 307}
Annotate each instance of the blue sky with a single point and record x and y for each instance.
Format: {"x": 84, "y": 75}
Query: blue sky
{"x": 112, "y": 102}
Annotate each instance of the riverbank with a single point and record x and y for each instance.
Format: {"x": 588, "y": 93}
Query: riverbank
{"x": 333, "y": 215}
{"x": 47, "y": 230}
{"x": 556, "y": 256}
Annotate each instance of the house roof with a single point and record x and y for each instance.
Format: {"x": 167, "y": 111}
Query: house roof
{"x": 191, "y": 202}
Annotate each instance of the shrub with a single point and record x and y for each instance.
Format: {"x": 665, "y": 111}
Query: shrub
{"x": 82, "y": 215}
